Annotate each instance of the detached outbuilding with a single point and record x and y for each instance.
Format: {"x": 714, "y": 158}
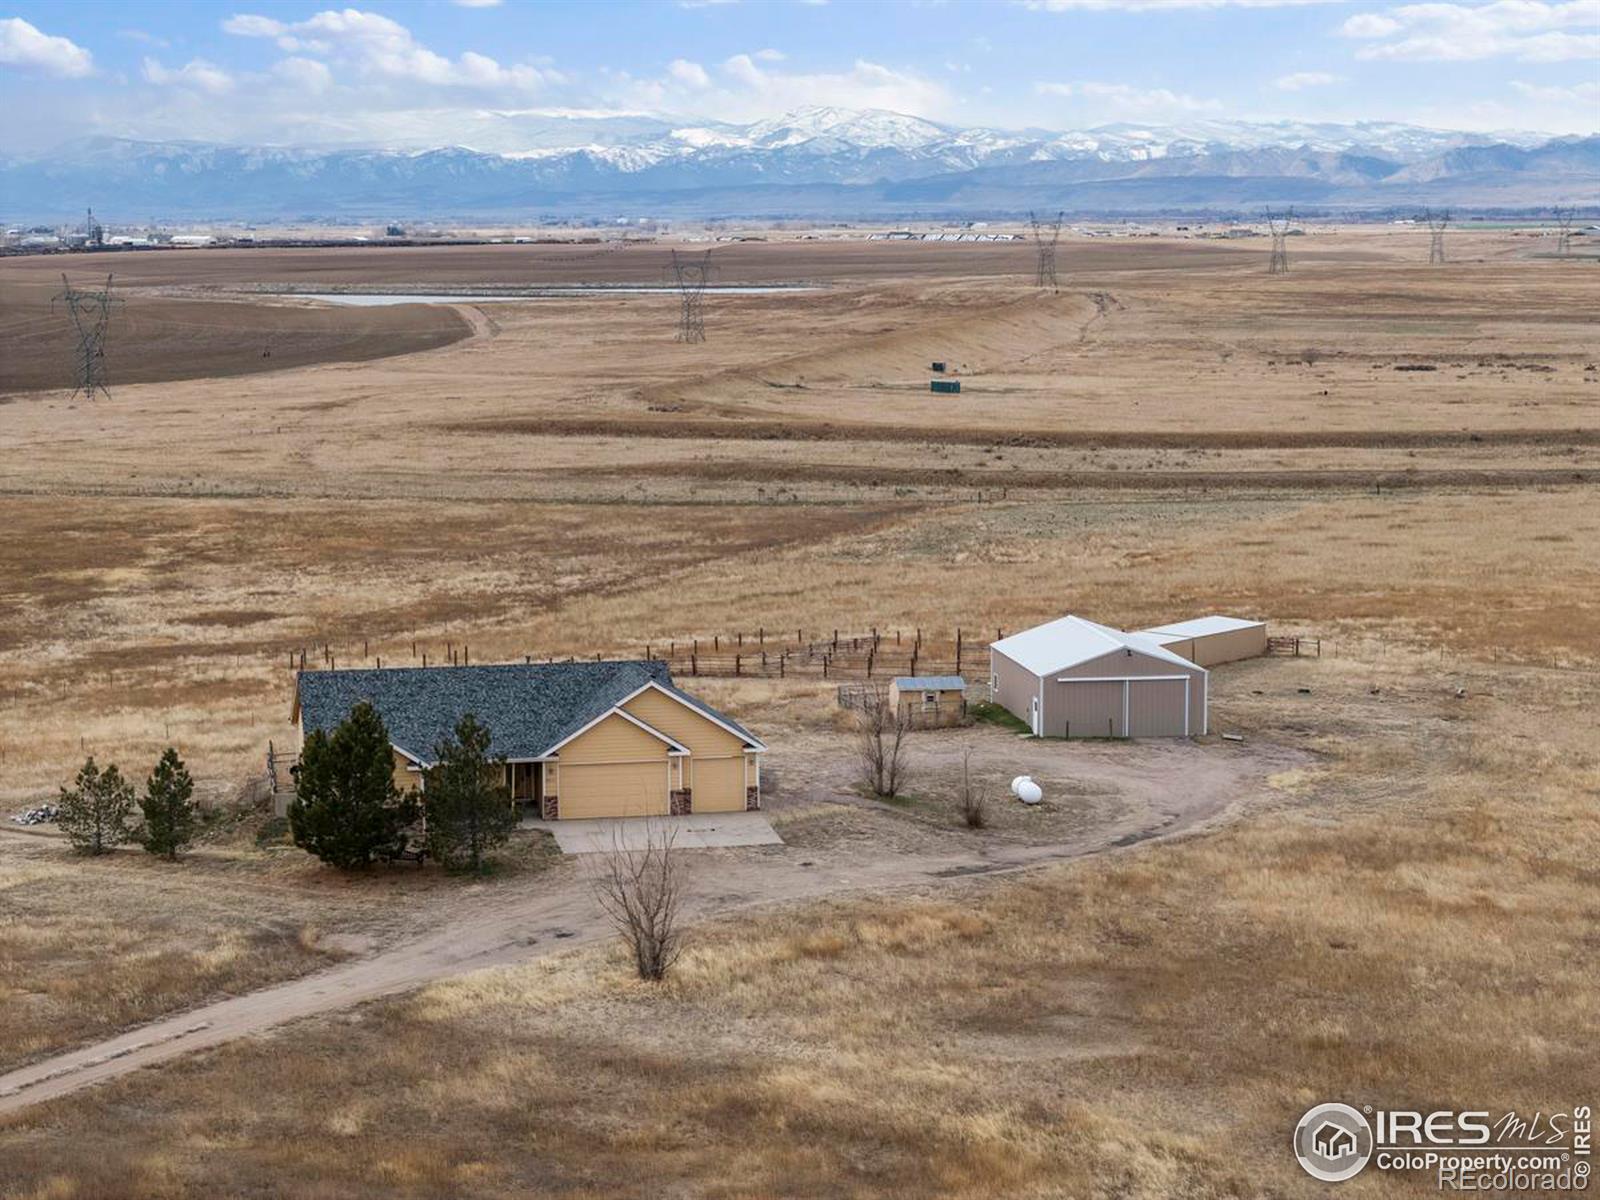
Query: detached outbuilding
{"x": 930, "y": 700}
{"x": 1077, "y": 678}
{"x": 1208, "y": 641}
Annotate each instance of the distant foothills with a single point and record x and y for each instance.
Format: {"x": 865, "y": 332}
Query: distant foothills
{"x": 813, "y": 164}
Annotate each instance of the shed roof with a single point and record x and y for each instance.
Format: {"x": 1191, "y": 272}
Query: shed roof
{"x": 1068, "y": 641}
{"x": 1202, "y": 627}
{"x": 528, "y": 708}
{"x": 930, "y": 683}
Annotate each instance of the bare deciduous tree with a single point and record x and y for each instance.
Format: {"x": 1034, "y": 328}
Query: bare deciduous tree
{"x": 641, "y": 890}
{"x": 880, "y": 741}
{"x": 974, "y": 800}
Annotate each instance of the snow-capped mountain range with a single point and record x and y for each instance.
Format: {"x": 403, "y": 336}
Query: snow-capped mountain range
{"x": 816, "y": 162}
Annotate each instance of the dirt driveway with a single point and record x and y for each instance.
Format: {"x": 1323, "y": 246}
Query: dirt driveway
{"x": 1106, "y": 796}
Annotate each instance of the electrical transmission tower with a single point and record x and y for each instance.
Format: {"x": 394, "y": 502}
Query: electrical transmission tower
{"x": 690, "y": 275}
{"x": 1437, "y": 221}
{"x": 1564, "y": 232}
{"x": 1278, "y": 225}
{"x": 91, "y": 314}
{"x": 1046, "y": 277}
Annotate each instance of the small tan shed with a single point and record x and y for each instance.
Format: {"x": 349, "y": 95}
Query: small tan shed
{"x": 930, "y": 700}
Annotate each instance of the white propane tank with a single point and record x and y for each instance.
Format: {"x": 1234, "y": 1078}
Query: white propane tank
{"x": 1026, "y": 790}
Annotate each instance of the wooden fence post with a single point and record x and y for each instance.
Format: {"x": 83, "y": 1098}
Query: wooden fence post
{"x": 737, "y": 665}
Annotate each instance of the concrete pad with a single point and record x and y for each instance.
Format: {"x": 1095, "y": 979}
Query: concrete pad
{"x": 697, "y": 831}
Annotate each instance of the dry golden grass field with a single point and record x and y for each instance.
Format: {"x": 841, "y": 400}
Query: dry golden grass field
{"x": 1407, "y": 919}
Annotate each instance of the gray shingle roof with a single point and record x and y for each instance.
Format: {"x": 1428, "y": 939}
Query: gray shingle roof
{"x": 930, "y": 683}
{"x": 527, "y": 708}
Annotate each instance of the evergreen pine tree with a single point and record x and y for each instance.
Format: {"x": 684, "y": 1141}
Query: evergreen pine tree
{"x": 469, "y": 810}
{"x": 170, "y": 814}
{"x": 347, "y": 810}
{"x": 94, "y": 814}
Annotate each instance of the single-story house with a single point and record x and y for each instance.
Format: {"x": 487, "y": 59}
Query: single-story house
{"x": 930, "y": 700}
{"x": 578, "y": 739}
{"x": 1208, "y": 641}
{"x": 1076, "y": 678}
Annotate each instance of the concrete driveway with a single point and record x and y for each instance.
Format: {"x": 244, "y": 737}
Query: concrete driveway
{"x": 697, "y": 831}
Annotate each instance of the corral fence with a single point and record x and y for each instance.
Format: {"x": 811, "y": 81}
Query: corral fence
{"x": 877, "y": 654}
{"x": 1296, "y": 646}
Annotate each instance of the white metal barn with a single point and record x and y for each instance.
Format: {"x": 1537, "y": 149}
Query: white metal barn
{"x": 1076, "y": 678}
{"x": 1209, "y": 641}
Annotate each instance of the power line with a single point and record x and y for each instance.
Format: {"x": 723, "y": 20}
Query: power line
{"x": 1278, "y": 225}
{"x": 91, "y": 315}
{"x": 1437, "y": 221}
{"x": 690, "y": 275}
{"x": 1046, "y": 276}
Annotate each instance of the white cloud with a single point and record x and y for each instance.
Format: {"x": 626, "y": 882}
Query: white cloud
{"x": 690, "y": 74}
{"x": 143, "y": 37}
{"x": 1298, "y": 81}
{"x": 22, "y": 45}
{"x": 197, "y": 73}
{"x": 1160, "y": 5}
{"x": 250, "y": 25}
{"x": 1579, "y": 93}
{"x": 306, "y": 74}
{"x": 478, "y": 3}
{"x": 1123, "y": 99}
{"x": 379, "y": 47}
{"x": 752, "y": 87}
{"x": 1529, "y": 30}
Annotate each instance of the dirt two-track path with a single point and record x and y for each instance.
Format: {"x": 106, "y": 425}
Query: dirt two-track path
{"x": 506, "y": 928}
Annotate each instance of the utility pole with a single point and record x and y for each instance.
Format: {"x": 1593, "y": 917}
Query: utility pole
{"x": 690, "y": 275}
{"x": 1437, "y": 221}
{"x": 91, "y": 314}
{"x": 1046, "y": 275}
{"x": 1278, "y": 225}
{"x": 1564, "y": 232}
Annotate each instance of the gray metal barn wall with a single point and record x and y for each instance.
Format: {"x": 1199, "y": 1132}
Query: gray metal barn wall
{"x": 1160, "y": 709}
{"x": 1014, "y": 686}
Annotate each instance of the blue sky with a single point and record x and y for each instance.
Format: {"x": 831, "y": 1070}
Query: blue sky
{"x": 424, "y": 72}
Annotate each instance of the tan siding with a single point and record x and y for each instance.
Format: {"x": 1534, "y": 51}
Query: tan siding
{"x": 404, "y": 779}
{"x": 677, "y": 720}
{"x": 601, "y": 789}
{"x": 718, "y": 784}
{"x": 1185, "y": 648}
{"x": 615, "y": 739}
{"x": 1231, "y": 646}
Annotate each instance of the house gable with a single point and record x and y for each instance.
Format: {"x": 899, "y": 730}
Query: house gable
{"x": 688, "y": 725}
{"x": 615, "y": 738}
